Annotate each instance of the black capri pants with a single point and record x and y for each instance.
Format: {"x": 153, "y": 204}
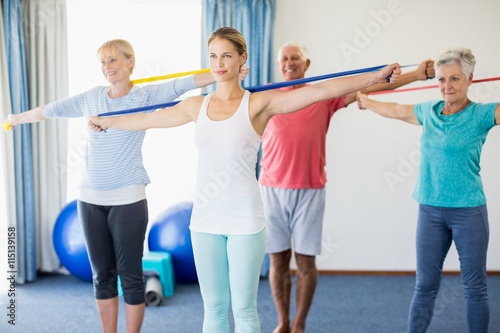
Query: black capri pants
{"x": 114, "y": 237}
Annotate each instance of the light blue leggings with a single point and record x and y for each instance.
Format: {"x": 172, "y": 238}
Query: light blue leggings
{"x": 228, "y": 268}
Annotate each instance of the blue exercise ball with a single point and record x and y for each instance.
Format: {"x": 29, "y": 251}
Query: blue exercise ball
{"x": 170, "y": 232}
{"x": 69, "y": 243}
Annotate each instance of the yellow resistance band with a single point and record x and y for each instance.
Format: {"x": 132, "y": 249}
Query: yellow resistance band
{"x": 170, "y": 76}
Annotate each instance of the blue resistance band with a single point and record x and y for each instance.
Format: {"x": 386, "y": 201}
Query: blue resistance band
{"x": 260, "y": 88}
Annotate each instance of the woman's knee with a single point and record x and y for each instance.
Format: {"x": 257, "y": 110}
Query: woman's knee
{"x": 133, "y": 287}
{"x": 427, "y": 284}
{"x": 476, "y": 287}
{"x": 105, "y": 285}
{"x": 245, "y": 315}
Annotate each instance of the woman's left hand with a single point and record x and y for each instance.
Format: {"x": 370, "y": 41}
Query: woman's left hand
{"x": 390, "y": 73}
{"x": 244, "y": 70}
{"x": 93, "y": 124}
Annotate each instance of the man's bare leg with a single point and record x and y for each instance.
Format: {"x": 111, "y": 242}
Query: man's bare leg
{"x": 307, "y": 279}
{"x": 280, "y": 280}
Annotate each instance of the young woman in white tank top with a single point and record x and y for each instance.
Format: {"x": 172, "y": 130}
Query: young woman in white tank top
{"x": 227, "y": 225}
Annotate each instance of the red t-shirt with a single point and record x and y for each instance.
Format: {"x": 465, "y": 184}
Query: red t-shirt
{"x": 294, "y": 146}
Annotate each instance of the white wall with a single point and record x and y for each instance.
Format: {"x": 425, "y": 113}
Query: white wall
{"x": 369, "y": 222}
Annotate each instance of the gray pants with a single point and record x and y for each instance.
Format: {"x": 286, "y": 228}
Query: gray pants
{"x": 114, "y": 237}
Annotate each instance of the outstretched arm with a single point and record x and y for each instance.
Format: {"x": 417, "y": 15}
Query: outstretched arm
{"x": 203, "y": 79}
{"x": 266, "y": 104}
{"x": 279, "y": 102}
{"x": 388, "y": 110}
{"x": 31, "y": 116}
{"x": 176, "y": 115}
{"x": 423, "y": 72}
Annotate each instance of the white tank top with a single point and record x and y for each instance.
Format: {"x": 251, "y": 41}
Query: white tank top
{"x": 227, "y": 196}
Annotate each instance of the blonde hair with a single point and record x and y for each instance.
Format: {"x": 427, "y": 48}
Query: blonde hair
{"x": 114, "y": 45}
{"x": 232, "y": 35}
{"x": 460, "y": 56}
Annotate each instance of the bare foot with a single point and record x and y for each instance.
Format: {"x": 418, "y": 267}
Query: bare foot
{"x": 282, "y": 329}
{"x": 300, "y": 329}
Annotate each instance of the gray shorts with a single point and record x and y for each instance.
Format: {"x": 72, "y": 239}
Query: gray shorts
{"x": 294, "y": 219}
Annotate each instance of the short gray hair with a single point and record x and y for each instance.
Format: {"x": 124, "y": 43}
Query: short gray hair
{"x": 460, "y": 56}
{"x": 303, "y": 50}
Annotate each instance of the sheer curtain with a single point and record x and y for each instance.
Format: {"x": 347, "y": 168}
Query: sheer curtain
{"x": 255, "y": 20}
{"x": 35, "y": 48}
{"x": 45, "y": 29}
{"x": 7, "y": 197}
{"x": 23, "y": 162}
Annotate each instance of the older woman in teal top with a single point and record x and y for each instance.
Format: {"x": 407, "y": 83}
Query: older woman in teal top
{"x": 452, "y": 204}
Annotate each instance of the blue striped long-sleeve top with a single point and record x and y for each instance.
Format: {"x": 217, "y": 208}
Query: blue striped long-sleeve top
{"x": 113, "y": 159}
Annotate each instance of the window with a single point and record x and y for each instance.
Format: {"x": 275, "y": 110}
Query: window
{"x": 166, "y": 36}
